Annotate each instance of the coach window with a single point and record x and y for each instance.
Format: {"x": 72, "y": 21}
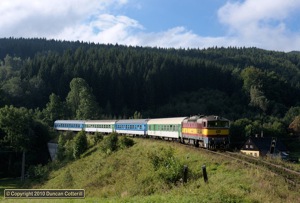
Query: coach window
{"x": 204, "y": 124}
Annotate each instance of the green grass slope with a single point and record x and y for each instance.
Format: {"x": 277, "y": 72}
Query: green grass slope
{"x": 139, "y": 174}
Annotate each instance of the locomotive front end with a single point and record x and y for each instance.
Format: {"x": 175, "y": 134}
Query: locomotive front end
{"x": 216, "y": 129}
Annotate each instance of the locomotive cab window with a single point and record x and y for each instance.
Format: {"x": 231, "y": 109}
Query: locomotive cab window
{"x": 218, "y": 124}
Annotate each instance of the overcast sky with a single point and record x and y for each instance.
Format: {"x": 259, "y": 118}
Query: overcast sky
{"x": 267, "y": 24}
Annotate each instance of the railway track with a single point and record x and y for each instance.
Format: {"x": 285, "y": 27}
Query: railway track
{"x": 292, "y": 177}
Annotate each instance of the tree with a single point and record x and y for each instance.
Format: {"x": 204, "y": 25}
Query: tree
{"x": 295, "y": 126}
{"x": 16, "y": 124}
{"x": 291, "y": 114}
{"x": 13, "y": 87}
{"x": 81, "y": 100}
{"x": 258, "y": 99}
{"x": 55, "y": 109}
{"x": 252, "y": 77}
{"x": 88, "y": 107}
{"x": 73, "y": 98}
{"x": 137, "y": 115}
{"x": 80, "y": 144}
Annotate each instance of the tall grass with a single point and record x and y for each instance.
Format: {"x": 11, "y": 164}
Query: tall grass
{"x": 130, "y": 175}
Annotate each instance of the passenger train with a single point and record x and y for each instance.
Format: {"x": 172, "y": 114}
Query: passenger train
{"x": 209, "y": 132}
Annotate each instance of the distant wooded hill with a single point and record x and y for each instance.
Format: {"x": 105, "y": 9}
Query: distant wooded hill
{"x": 158, "y": 82}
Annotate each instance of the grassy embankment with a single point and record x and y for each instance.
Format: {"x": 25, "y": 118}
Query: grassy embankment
{"x": 129, "y": 175}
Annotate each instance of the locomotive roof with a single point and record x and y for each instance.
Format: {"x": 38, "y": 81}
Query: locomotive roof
{"x": 204, "y": 118}
{"x": 215, "y": 118}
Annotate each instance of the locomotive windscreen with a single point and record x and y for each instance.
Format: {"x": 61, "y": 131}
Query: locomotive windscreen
{"x": 218, "y": 124}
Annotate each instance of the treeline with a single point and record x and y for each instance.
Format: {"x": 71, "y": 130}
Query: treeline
{"x": 257, "y": 90}
{"x": 128, "y": 79}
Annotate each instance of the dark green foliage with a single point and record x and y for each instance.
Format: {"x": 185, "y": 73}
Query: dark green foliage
{"x": 55, "y": 109}
{"x": 61, "y": 150}
{"x": 97, "y": 137}
{"x": 110, "y": 143}
{"x": 125, "y": 142}
{"x": 81, "y": 100}
{"x": 38, "y": 172}
{"x": 20, "y": 131}
{"x": 166, "y": 165}
{"x": 258, "y": 99}
{"x": 80, "y": 144}
{"x": 120, "y": 80}
{"x": 114, "y": 142}
{"x": 66, "y": 146}
{"x": 16, "y": 124}
{"x": 291, "y": 114}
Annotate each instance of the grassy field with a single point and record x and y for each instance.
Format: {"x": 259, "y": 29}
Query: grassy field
{"x": 8, "y": 183}
{"x": 129, "y": 175}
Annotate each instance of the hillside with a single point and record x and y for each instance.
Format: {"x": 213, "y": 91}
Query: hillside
{"x": 45, "y": 80}
{"x": 128, "y": 79}
{"x": 129, "y": 175}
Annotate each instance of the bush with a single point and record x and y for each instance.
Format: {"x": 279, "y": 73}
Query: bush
{"x": 98, "y": 137}
{"x": 166, "y": 165}
{"x": 80, "y": 144}
{"x": 110, "y": 144}
{"x": 38, "y": 172}
{"x": 113, "y": 142}
{"x": 65, "y": 146}
{"x": 125, "y": 142}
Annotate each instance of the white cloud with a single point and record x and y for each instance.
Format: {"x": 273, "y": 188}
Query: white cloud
{"x": 104, "y": 28}
{"x": 39, "y": 18}
{"x": 249, "y": 23}
{"x": 261, "y": 23}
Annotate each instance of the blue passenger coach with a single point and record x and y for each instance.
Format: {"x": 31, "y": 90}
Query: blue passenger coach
{"x": 132, "y": 126}
{"x": 71, "y": 125}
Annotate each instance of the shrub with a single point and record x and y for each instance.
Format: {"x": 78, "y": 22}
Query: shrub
{"x": 98, "y": 137}
{"x": 166, "y": 165}
{"x": 38, "y": 172}
{"x": 80, "y": 144}
{"x": 60, "y": 148}
{"x": 110, "y": 144}
{"x": 125, "y": 142}
{"x": 65, "y": 146}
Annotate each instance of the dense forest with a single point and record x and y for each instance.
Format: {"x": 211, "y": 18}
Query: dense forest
{"x": 44, "y": 80}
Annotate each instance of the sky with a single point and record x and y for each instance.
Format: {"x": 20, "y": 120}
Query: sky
{"x": 266, "y": 24}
